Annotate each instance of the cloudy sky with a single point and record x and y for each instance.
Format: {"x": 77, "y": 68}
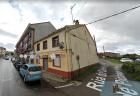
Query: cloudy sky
{"x": 117, "y": 34}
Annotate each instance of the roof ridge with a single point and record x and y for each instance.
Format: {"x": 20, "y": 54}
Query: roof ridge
{"x": 39, "y": 23}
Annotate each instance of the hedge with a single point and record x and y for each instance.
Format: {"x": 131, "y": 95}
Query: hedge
{"x": 132, "y": 70}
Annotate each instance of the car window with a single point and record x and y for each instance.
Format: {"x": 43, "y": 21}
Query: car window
{"x": 34, "y": 68}
{"x": 25, "y": 67}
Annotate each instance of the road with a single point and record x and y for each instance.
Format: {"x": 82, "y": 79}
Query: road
{"x": 96, "y": 84}
{"x": 101, "y": 83}
{"x": 11, "y": 83}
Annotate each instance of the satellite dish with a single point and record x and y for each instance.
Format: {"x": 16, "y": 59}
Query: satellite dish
{"x": 21, "y": 56}
{"x": 52, "y": 56}
{"x": 61, "y": 45}
{"x": 32, "y": 56}
{"x": 25, "y": 56}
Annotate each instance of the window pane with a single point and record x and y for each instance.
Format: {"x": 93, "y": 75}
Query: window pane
{"x": 45, "y": 45}
{"x": 55, "y": 41}
{"x": 25, "y": 67}
{"x": 38, "y": 47}
{"x": 34, "y": 69}
{"x": 57, "y": 61}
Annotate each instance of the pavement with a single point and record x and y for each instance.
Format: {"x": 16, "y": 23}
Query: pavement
{"x": 54, "y": 79}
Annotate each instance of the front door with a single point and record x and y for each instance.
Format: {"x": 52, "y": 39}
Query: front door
{"x": 45, "y": 63}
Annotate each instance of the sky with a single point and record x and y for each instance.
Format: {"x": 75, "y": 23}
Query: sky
{"x": 118, "y": 34}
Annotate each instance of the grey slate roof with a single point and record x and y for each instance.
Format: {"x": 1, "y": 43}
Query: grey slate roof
{"x": 42, "y": 30}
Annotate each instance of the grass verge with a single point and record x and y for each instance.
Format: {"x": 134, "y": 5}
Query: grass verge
{"x": 114, "y": 61}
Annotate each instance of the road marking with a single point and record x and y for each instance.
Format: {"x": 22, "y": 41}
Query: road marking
{"x": 64, "y": 85}
{"x": 94, "y": 86}
{"x": 99, "y": 81}
{"x": 123, "y": 89}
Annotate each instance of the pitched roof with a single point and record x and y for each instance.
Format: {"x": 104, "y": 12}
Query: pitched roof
{"x": 2, "y": 48}
{"x": 42, "y": 29}
{"x": 67, "y": 27}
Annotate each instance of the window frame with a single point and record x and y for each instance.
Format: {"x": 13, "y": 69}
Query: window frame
{"x": 45, "y": 46}
{"x": 55, "y": 65}
{"x": 38, "y": 47}
{"x": 53, "y": 41}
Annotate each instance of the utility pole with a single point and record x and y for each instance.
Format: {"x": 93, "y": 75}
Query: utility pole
{"x": 104, "y": 51}
{"x": 72, "y": 13}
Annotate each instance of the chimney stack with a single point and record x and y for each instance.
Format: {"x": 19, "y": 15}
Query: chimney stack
{"x": 76, "y": 22}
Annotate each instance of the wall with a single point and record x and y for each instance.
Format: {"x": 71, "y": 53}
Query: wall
{"x": 2, "y": 52}
{"x": 56, "y": 50}
{"x": 42, "y": 30}
{"x": 81, "y": 45}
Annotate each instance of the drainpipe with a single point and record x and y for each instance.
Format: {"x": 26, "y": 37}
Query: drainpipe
{"x": 69, "y": 54}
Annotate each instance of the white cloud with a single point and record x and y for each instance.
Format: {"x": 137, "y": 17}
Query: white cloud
{"x": 117, "y": 34}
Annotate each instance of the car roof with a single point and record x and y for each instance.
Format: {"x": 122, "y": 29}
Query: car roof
{"x": 31, "y": 65}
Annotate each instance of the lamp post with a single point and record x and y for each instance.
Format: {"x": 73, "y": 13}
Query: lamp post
{"x": 104, "y": 52}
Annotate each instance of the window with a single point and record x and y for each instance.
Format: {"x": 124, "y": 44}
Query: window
{"x": 33, "y": 69}
{"x": 45, "y": 44}
{"x": 25, "y": 67}
{"x": 57, "y": 61}
{"x": 55, "y": 41}
{"x": 38, "y": 47}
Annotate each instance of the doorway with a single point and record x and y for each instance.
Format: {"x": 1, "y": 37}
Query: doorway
{"x": 45, "y": 63}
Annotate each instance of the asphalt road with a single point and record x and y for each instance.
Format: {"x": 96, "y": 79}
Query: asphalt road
{"x": 96, "y": 84}
{"x": 11, "y": 83}
{"x": 101, "y": 83}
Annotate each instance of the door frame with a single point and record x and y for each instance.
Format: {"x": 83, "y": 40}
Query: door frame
{"x": 44, "y": 66}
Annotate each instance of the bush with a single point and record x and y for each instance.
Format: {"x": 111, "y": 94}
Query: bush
{"x": 133, "y": 69}
{"x": 137, "y": 78}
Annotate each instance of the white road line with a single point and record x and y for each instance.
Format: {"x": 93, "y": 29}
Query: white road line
{"x": 65, "y": 85}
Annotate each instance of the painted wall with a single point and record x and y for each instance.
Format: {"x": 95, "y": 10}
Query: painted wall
{"x": 83, "y": 46}
{"x": 2, "y": 51}
{"x": 55, "y": 50}
{"x": 79, "y": 43}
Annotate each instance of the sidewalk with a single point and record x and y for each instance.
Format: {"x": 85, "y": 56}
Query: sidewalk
{"x": 54, "y": 79}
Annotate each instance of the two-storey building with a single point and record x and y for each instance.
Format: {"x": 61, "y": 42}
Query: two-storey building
{"x": 32, "y": 33}
{"x": 2, "y": 52}
{"x": 67, "y": 51}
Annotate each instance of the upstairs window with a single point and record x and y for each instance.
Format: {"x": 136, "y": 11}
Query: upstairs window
{"x": 45, "y": 44}
{"x": 55, "y": 41}
{"x": 38, "y": 47}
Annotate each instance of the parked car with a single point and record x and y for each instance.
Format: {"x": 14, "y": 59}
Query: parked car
{"x": 137, "y": 60}
{"x": 123, "y": 60}
{"x": 6, "y": 58}
{"x": 17, "y": 65}
{"x": 31, "y": 72}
